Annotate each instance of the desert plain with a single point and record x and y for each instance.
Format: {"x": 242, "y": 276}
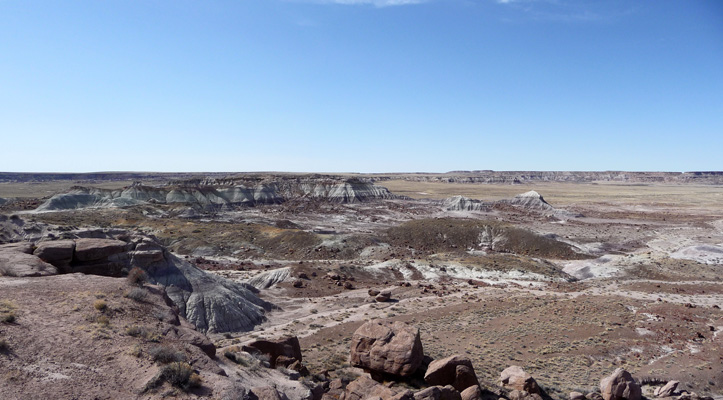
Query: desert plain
{"x": 568, "y": 276}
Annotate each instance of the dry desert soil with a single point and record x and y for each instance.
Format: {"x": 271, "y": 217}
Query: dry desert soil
{"x": 613, "y": 274}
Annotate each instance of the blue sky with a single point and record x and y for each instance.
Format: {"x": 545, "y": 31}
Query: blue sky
{"x": 361, "y": 85}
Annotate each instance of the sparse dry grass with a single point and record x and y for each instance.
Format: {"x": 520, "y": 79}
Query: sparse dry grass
{"x": 100, "y": 305}
{"x": 7, "y": 311}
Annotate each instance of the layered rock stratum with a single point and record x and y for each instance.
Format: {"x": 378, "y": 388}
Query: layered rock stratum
{"x": 218, "y": 194}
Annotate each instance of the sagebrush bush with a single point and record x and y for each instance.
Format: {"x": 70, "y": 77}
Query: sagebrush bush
{"x": 180, "y": 374}
{"x": 137, "y": 294}
{"x": 137, "y": 276}
{"x": 166, "y": 355}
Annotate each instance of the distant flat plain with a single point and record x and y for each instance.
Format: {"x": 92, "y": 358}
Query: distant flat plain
{"x": 560, "y": 193}
{"x": 556, "y": 193}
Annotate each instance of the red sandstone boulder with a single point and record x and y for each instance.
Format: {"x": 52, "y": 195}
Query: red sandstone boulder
{"x": 392, "y": 348}
{"x": 285, "y": 349}
{"x": 438, "y": 393}
{"x": 620, "y": 385}
{"x": 15, "y": 263}
{"x": 56, "y": 252}
{"x": 97, "y": 249}
{"x": 266, "y": 393}
{"x": 472, "y": 393}
{"x": 515, "y": 378}
{"x": 365, "y": 387}
{"x": 455, "y": 370}
{"x": 667, "y": 390}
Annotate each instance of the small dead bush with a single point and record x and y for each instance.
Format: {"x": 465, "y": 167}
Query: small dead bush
{"x": 237, "y": 358}
{"x": 142, "y": 332}
{"x": 166, "y": 355}
{"x": 7, "y": 311}
{"x": 181, "y": 375}
{"x": 135, "y": 331}
{"x": 102, "y": 320}
{"x": 137, "y": 277}
{"x": 100, "y": 305}
{"x": 136, "y": 351}
{"x": 137, "y": 294}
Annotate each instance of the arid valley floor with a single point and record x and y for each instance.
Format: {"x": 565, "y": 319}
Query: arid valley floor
{"x": 593, "y": 274}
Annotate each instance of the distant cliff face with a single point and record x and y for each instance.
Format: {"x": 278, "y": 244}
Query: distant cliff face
{"x": 514, "y": 177}
{"x": 214, "y": 193}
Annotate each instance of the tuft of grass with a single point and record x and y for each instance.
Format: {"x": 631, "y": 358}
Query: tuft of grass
{"x": 102, "y": 320}
{"x": 138, "y": 294}
{"x": 165, "y": 355}
{"x": 135, "y": 330}
{"x": 100, "y": 305}
{"x": 136, "y": 351}
{"x": 7, "y": 311}
{"x": 142, "y": 332}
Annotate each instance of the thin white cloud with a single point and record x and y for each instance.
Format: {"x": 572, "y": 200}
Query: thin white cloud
{"x": 569, "y": 10}
{"x": 376, "y": 3}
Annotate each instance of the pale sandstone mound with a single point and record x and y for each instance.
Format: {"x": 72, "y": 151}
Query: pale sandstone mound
{"x": 392, "y": 348}
{"x": 212, "y": 303}
{"x": 529, "y": 200}
{"x": 269, "y": 278}
{"x": 620, "y": 386}
{"x": 461, "y": 203}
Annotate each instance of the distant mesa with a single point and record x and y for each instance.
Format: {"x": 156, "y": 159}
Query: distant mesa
{"x": 213, "y": 193}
